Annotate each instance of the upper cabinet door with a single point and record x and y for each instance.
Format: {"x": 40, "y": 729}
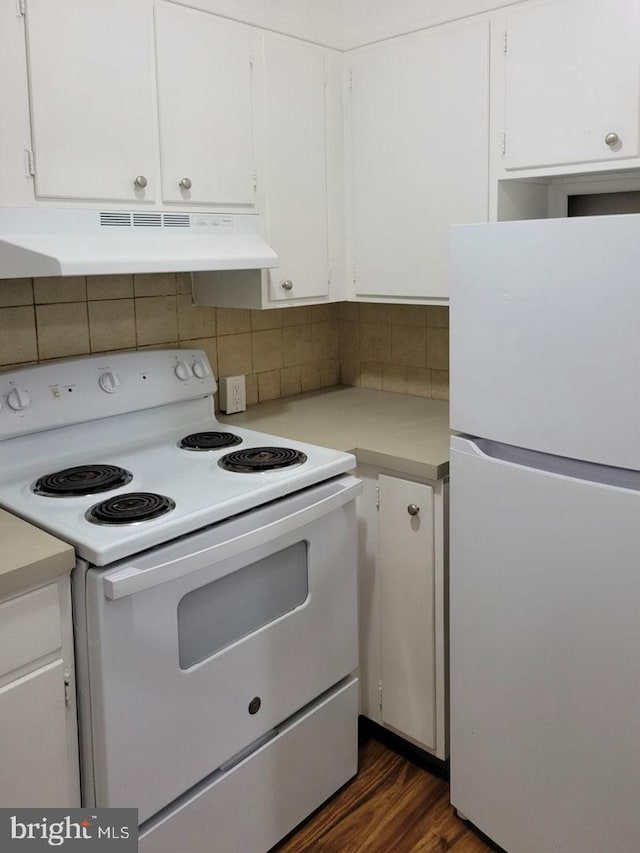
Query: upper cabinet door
{"x": 294, "y": 167}
{"x": 204, "y": 70}
{"x": 419, "y": 156}
{"x": 91, "y": 90}
{"x": 572, "y": 86}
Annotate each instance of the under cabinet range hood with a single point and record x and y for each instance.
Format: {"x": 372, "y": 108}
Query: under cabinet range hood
{"x": 52, "y": 242}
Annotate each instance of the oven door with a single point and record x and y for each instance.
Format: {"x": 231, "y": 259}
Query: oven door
{"x": 200, "y": 648}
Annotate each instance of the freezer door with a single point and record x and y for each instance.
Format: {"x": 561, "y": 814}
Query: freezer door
{"x": 545, "y": 347}
{"x": 545, "y": 662}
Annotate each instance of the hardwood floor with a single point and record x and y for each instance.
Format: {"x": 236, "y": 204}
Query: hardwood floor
{"x": 393, "y": 805}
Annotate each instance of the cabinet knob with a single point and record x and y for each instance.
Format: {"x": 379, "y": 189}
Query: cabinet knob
{"x": 287, "y": 285}
{"x": 185, "y": 184}
{"x": 413, "y": 509}
{"x": 140, "y": 182}
{"x": 612, "y": 139}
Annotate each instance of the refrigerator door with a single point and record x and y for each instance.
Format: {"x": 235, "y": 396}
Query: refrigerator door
{"x": 545, "y": 660}
{"x": 545, "y": 340}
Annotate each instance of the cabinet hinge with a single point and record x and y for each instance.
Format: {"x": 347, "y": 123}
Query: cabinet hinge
{"x": 251, "y": 60}
{"x": 351, "y": 79}
{"x": 377, "y": 496}
{"x": 503, "y": 143}
{"x": 353, "y": 273}
{"x": 380, "y": 694}
{"x": 325, "y": 75}
{"x": 329, "y": 274}
{"x": 29, "y": 163}
{"x": 67, "y": 687}
{"x": 21, "y": 8}
{"x": 505, "y": 42}
{"x": 255, "y": 180}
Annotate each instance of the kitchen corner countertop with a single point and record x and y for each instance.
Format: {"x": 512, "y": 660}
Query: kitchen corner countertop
{"x": 395, "y": 431}
{"x": 29, "y": 555}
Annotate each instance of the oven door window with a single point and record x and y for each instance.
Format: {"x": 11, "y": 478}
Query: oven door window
{"x": 218, "y": 614}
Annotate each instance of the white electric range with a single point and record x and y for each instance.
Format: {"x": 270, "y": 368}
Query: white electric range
{"x": 214, "y": 595}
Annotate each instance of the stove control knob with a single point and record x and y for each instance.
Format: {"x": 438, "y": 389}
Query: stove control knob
{"x": 182, "y": 371}
{"x": 200, "y": 369}
{"x": 109, "y": 382}
{"x": 18, "y": 399}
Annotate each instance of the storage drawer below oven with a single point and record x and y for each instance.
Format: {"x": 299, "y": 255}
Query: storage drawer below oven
{"x": 250, "y": 807}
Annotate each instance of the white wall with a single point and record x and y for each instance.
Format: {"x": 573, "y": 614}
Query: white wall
{"x": 345, "y": 24}
{"x": 366, "y": 21}
{"x": 319, "y": 21}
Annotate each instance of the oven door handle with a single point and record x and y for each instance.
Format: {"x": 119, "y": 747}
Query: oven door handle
{"x": 131, "y": 580}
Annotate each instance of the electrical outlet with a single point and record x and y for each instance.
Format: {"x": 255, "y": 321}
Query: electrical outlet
{"x": 233, "y": 397}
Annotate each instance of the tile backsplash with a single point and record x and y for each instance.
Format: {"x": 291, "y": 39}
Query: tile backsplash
{"x": 281, "y": 351}
{"x": 400, "y": 348}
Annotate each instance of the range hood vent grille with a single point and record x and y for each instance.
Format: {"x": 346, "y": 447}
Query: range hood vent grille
{"x": 122, "y": 220}
{"x": 144, "y": 220}
{"x": 176, "y": 220}
{"x": 147, "y": 220}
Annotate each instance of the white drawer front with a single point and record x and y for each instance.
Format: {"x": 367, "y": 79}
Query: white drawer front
{"x": 251, "y": 807}
{"x": 29, "y": 628}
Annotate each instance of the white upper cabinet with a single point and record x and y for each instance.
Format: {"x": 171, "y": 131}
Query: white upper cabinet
{"x": 91, "y": 93}
{"x": 293, "y": 168}
{"x": 419, "y": 156}
{"x": 572, "y": 82}
{"x": 204, "y": 73}
{"x": 99, "y": 119}
{"x": 300, "y": 157}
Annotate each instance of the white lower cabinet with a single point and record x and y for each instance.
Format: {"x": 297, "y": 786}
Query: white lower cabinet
{"x": 402, "y": 585}
{"x": 38, "y": 729}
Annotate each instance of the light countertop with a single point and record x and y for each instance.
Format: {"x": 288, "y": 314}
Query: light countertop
{"x": 395, "y": 431}
{"x": 29, "y": 555}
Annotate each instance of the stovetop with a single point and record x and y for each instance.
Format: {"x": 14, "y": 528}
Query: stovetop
{"x": 169, "y": 489}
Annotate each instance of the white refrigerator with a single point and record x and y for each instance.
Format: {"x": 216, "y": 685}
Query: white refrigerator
{"x": 545, "y": 533}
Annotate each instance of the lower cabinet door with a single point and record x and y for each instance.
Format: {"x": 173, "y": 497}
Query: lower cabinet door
{"x": 250, "y": 806}
{"x": 33, "y": 741}
{"x": 407, "y": 576}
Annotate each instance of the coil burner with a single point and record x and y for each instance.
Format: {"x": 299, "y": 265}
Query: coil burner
{"x": 209, "y": 440}
{"x": 82, "y": 480}
{"x": 256, "y": 459}
{"x": 130, "y": 508}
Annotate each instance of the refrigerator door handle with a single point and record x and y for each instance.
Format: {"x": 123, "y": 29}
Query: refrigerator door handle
{"x": 559, "y": 466}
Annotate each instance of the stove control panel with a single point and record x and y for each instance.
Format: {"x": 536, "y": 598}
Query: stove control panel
{"x": 84, "y": 389}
